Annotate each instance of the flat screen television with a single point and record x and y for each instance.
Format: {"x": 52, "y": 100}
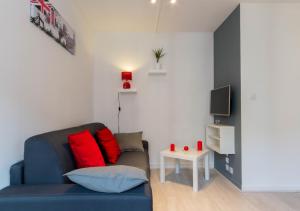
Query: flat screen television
{"x": 220, "y": 101}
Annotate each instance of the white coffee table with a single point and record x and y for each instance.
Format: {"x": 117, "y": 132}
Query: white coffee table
{"x": 191, "y": 155}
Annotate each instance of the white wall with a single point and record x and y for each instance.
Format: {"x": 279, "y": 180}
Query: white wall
{"x": 42, "y": 86}
{"x": 270, "y": 37}
{"x": 169, "y": 109}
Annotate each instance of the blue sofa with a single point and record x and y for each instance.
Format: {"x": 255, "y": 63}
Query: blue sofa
{"x": 38, "y": 184}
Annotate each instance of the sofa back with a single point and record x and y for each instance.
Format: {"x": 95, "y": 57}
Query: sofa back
{"x": 48, "y": 156}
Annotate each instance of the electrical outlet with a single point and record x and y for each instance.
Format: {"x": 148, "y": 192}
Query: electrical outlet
{"x": 227, "y": 159}
{"x": 231, "y": 170}
{"x": 227, "y": 167}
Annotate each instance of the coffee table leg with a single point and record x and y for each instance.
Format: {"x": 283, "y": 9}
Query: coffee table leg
{"x": 162, "y": 169}
{"x": 195, "y": 175}
{"x": 177, "y": 166}
{"x": 206, "y": 164}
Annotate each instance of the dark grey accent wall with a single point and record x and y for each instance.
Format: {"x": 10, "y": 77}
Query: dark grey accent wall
{"x": 227, "y": 61}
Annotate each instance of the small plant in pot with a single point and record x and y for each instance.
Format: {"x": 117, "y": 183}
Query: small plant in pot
{"x": 158, "y": 54}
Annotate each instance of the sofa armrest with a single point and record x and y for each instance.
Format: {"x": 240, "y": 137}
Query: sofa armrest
{"x": 145, "y": 145}
{"x": 17, "y": 173}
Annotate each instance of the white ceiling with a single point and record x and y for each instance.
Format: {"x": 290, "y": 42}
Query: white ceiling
{"x": 141, "y": 16}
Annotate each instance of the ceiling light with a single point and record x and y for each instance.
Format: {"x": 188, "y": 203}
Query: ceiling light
{"x": 153, "y": 1}
{"x": 172, "y": 1}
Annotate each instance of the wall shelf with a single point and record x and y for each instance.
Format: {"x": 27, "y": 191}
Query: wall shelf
{"x": 129, "y": 91}
{"x": 220, "y": 138}
{"x": 157, "y": 72}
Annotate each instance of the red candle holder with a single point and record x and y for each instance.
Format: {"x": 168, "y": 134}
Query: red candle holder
{"x": 199, "y": 145}
{"x": 172, "y": 147}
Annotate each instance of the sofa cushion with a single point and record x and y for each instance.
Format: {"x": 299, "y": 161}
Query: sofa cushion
{"x": 135, "y": 159}
{"x": 85, "y": 150}
{"x": 110, "y": 179}
{"x": 109, "y": 145}
{"x": 130, "y": 142}
{"x": 65, "y": 197}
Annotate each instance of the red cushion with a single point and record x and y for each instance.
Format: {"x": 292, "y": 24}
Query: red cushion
{"x": 85, "y": 150}
{"x": 109, "y": 144}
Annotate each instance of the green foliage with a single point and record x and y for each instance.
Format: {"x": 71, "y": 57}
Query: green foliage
{"x": 159, "y": 53}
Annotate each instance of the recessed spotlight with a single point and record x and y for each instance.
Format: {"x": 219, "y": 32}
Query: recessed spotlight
{"x": 153, "y": 1}
{"x": 173, "y": 1}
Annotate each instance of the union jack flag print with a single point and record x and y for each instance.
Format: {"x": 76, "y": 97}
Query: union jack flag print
{"x": 44, "y": 15}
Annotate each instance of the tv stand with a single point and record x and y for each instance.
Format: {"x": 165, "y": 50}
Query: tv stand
{"x": 220, "y": 138}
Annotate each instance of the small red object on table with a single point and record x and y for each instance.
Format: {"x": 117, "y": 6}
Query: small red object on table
{"x": 172, "y": 147}
{"x": 186, "y": 148}
{"x": 199, "y": 145}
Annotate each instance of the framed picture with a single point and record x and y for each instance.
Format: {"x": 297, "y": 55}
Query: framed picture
{"x": 44, "y": 15}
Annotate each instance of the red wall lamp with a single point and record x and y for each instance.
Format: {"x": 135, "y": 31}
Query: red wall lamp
{"x": 126, "y": 77}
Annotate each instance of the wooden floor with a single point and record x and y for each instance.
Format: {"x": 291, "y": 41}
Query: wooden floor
{"x": 216, "y": 195}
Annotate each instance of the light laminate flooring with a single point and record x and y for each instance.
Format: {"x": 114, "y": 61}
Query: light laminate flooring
{"x": 218, "y": 194}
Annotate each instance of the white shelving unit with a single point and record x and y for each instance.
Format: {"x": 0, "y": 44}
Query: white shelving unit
{"x": 157, "y": 72}
{"x": 129, "y": 91}
{"x": 220, "y": 138}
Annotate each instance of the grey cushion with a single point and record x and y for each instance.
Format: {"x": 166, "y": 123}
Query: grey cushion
{"x": 109, "y": 179}
{"x": 129, "y": 142}
{"x": 135, "y": 159}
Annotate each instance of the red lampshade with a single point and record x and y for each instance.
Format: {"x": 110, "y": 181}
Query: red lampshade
{"x": 126, "y": 76}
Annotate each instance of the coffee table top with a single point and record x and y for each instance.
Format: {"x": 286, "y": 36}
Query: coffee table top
{"x": 184, "y": 155}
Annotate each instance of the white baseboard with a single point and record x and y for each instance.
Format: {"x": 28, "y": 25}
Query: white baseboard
{"x": 234, "y": 185}
{"x": 270, "y": 188}
{"x": 244, "y": 188}
{"x": 265, "y": 188}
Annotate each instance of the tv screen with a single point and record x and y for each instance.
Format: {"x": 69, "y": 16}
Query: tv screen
{"x": 220, "y": 101}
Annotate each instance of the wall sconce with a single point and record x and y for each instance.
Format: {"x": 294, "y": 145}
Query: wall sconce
{"x": 126, "y": 77}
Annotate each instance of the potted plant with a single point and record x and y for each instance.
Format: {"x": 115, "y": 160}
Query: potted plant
{"x": 158, "y": 54}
